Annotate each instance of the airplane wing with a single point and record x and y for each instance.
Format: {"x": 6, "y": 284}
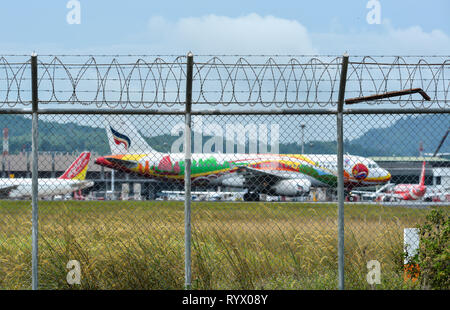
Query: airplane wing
{"x": 261, "y": 173}
{"x": 379, "y": 192}
{"x": 365, "y": 193}
{"x": 376, "y": 194}
{"x": 257, "y": 178}
{"x": 273, "y": 181}
{"x": 397, "y": 196}
{"x": 5, "y": 191}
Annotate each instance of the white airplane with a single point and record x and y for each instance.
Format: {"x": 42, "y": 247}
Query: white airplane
{"x": 73, "y": 179}
{"x": 272, "y": 174}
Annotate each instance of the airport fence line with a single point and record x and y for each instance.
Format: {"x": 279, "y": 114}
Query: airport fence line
{"x": 223, "y": 107}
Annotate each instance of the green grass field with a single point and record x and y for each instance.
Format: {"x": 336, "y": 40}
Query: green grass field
{"x": 140, "y": 245}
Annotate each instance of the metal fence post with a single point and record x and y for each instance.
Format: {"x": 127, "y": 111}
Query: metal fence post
{"x": 340, "y": 164}
{"x": 34, "y": 176}
{"x": 187, "y": 172}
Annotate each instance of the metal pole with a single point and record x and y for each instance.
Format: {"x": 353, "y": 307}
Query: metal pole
{"x": 113, "y": 196}
{"x": 340, "y": 164}
{"x": 34, "y": 175}
{"x": 187, "y": 172}
{"x": 303, "y": 138}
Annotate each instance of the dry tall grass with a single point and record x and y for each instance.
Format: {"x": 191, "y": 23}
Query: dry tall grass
{"x": 140, "y": 245}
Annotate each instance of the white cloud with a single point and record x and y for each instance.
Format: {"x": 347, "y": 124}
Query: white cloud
{"x": 385, "y": 39}
{"x": 221, "y": 34}
{"x": 255, "y": 34}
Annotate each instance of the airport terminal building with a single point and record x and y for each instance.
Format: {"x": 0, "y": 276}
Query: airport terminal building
{"x": 407, "y": 169}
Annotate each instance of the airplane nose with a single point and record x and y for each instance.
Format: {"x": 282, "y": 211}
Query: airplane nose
{"x": 387, "y": 174}
{"x": 381, "y": 175}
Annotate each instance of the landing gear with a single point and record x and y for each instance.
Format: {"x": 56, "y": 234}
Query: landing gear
{"x": 251, "y": 197}
{"x": 348, "y": 196}
{"x": 387, "y": 199}
{"x": 352, "y": 198}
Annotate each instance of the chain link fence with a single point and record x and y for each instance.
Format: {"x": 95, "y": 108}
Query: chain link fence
{"x": 219, "y": 172}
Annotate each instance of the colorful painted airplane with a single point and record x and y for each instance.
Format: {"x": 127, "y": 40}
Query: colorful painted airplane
{"x": 272, "y": 174}
{"x": 397, "y": 192}
{"x": 73, "y": 179}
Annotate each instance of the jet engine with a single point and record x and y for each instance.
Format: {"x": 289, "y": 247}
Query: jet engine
{"x": 291, "y": 187}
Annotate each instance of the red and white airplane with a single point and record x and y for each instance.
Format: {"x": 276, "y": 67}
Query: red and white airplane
{"x": 410, "y": 191}
{"x": 397, "y": 192}
{"x": 393, "y": 192}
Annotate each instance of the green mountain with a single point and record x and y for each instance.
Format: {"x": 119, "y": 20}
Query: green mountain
{"x": 404, "y": 137}
{"x": 53, "y": 136}
{"x": 401, "y": 138}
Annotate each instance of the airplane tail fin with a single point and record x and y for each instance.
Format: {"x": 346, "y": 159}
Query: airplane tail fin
{"x": 123, "y": 137}
{"x": 77, "y": 170}
{"x": 422, "y": 175}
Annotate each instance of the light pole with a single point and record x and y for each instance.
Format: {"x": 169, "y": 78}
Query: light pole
{"x": 303, "y": 137}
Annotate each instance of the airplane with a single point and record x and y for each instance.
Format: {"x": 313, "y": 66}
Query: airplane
{"x": 272, "y": 174}
{"x": 399, "y": 192}
{"x": 395, "y": 192}
{"x": 73, "y": 179}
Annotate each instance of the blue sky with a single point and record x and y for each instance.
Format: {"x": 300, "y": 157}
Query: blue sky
{"x": 173, "y": 27}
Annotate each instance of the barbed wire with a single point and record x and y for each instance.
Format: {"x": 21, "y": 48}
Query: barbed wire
{"x": 279, "y": 80}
